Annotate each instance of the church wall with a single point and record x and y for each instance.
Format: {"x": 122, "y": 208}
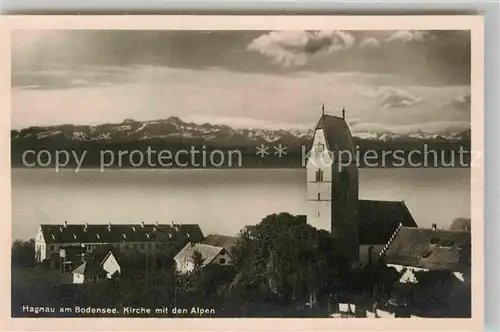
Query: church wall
{"x": 319, "y": 215}
{"x": 323, "y": 189}
{"x": 319, "y": 211}
{"x": 336, "y": 209}
{"x": 364, "y": 253}
{"x": 317, "y": 160}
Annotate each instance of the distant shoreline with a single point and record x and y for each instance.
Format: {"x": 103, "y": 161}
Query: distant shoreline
{"x": 17, "y": 167}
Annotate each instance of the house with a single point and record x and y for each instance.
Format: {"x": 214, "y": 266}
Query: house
{"x": 378, "y": 221}
{"x": 150, "y": 238}
{"x": 99, "y": 266}
{"x": 361, "y": 227}
{"x": 70, "y": 257}
{"x": 215, "y": 249}
{"x": 414, "y": 250}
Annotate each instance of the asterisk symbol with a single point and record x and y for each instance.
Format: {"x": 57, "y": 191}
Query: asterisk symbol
{"x": 262, "y": 151}
{"x": 280, "y": 150}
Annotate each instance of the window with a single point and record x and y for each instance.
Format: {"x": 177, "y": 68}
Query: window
{"x": 134, "y": 245}
{"x": 222, "y": 261}
{"x": 51, "y": 247}
{"x": 318, "y": 149}
{"x": 150, "y": 245}
{"x": 319, "y": 196}
{"x": 157, "y": 245}
{"x": 142, "y": 245}
{"x": 319, "y": 175}
{"x": 318, "y": 214}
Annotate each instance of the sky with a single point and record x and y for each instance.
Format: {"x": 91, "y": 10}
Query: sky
{"x": 399, "y": 81}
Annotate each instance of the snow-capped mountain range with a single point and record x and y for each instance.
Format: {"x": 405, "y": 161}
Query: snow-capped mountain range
{"x": 174, "y": 130}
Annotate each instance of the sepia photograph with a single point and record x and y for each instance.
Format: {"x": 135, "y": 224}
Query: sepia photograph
{"x": 244, "y": 172}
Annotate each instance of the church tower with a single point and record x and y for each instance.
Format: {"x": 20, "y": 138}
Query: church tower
{"x": 332, "y": 183}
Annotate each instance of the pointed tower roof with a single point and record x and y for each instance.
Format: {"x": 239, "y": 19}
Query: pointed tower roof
{"x": 337, "y": 133}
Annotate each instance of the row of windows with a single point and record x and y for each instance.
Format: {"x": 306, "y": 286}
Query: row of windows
{"x": 116, "y": 245}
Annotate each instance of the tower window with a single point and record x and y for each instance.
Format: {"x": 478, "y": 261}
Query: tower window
{"x": 319, "y": 175}
{"x": 318, "y": 149}
{"x": 319, "y": 196}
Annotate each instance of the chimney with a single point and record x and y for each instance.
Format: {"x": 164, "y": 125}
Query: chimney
{"x": 109, "y": 227}
{"x": 434, "y": 227}
{"x": 157, "y": 223}
{"x": 142, "y": 224}
{"x": 65, "y": 224}
{"x": 85, "y": 227}
{"x": 322, "y": 109}
{"x": 343, "y": 113}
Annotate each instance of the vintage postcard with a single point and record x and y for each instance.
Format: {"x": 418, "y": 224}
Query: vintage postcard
{"x": 257, "y": 173}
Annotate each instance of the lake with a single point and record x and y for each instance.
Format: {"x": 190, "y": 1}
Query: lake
{"x": 220, "y": 201}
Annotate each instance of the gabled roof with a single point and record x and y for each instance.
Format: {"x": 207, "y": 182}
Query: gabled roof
{"x": 379, "y": 219}
{"x": 94, "y": 265}
{"x": 337, "y": 134}
{"x": 208, "y": 253}
{"x": 223, "y": 241}
{"x": 104, "y": 233}
{"x": 434, "y": 249}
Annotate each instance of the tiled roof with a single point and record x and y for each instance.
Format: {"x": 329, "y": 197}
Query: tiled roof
{"x": 224, "y": 241}
{"x": 208, "y": 253}
{"x": 379, "y": 219}
{"x": 114, "y": 233}
{"x": 433, "y": 249}
{"x": 337, "y": 133}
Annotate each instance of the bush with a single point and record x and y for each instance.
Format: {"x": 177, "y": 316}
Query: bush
{"x": 23, "y": 253}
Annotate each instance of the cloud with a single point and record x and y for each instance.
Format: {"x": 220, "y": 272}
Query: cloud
{"x": 220, "y": 96}
{"x": 369, "y": 42}
{"x": 462, "y": 103}
{"x": 393, "y": 97}
{"x": 79, "y": 82}
{"x": 405, "y": 36}
{"x": 294, "y": 48}
{"x": 458, "y": 108}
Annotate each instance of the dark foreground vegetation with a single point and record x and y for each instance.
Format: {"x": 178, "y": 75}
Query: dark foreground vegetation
{"x": 279, "y": 268}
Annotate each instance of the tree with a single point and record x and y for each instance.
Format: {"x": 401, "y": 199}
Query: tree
{"x": 23, "y": 253}
{"x": 197, "y": 260}
{"x": 286, "y": 260}
{"x": 461, "y": 224}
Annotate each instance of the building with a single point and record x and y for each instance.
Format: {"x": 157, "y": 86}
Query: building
{"x": 362, "y": 227}
{"x": 100, "y": 266}
{"x": 332, "y": 183}
{"x": 70, "y": 257}
{"x": 147, "y": 238}
{"x": 378, "y": 221}
{"x": 414, "y": 250}
{"x": 215, "y": 249}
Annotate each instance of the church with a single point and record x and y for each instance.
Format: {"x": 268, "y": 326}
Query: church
{"x": 362, "y": 227}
